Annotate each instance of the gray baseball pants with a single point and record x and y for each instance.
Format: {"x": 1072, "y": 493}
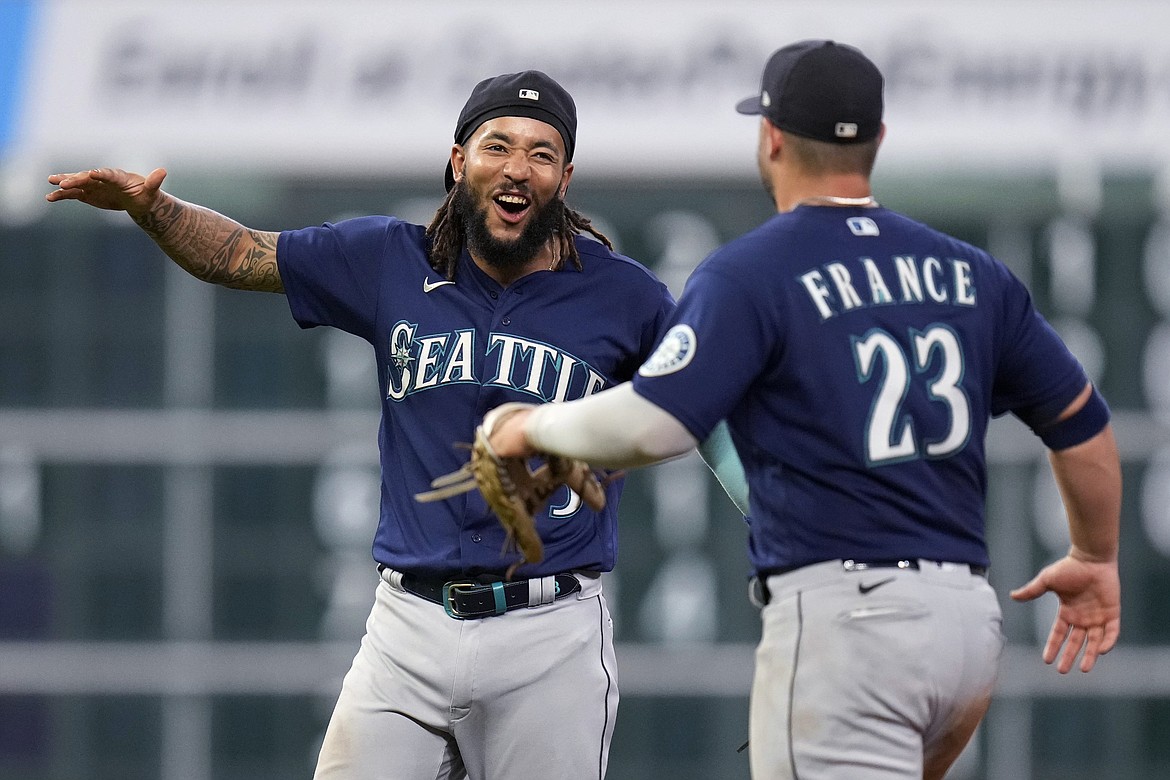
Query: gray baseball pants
{"x": 871, "y": 674}
{"x": 531, "y": 693}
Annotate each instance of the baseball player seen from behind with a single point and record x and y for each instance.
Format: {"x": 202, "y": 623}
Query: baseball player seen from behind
{"x": 857, "y": 356}
{"x": 461, "y": 674}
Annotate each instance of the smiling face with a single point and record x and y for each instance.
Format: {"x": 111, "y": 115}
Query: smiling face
{"x": 512, "y": 173}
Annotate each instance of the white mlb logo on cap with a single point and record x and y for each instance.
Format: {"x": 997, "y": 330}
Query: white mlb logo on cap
{"x": 530, "y": 94}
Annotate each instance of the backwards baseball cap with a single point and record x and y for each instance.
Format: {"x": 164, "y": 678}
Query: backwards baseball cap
{"x": 530, "y": 94}
{"x": 822, "y": 90}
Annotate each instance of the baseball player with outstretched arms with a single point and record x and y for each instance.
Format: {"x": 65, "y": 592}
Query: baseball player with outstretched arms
{"x": 858, "y": 356}
{"x": 461, "y": 673}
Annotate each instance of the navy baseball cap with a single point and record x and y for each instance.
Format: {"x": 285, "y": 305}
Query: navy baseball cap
{"x": 822, "y": 90}
{"x": 529, "y": 94}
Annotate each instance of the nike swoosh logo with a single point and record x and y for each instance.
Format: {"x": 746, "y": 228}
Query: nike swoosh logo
{"x": 428, "y": 285}
{"x": 863, "y": 589}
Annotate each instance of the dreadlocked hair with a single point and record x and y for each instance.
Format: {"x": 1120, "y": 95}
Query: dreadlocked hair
{"x": 447, "y": 238}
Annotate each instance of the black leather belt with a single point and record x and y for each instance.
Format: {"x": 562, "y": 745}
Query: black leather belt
{"x": 851, "y": 564}
{"x": 472, "y": 598}
{"x": 905, "y": 563}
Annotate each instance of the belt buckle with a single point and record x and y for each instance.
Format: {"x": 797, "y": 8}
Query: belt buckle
{"x": 450, "y": 591}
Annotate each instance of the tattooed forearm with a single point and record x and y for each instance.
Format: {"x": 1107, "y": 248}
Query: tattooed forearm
{"x": 213, "y": 247}
{"x": 247, "y": 261}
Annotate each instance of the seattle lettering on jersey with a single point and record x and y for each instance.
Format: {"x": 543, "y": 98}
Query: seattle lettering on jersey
{"x": 422, "y": 362}
{"x": 837, "y": 288}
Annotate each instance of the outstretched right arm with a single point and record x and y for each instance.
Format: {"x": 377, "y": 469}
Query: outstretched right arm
{"x": 203, "y": 242}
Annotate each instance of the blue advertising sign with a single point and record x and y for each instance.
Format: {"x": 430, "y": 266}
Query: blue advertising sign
{"x": 15, "y": 18}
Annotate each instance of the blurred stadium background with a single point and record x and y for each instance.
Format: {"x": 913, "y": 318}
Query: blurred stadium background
{"x": 188, "y": 481}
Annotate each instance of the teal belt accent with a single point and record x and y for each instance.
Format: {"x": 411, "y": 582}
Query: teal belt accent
{"x": 498, "y": 593}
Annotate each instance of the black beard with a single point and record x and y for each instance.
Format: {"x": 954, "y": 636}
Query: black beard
{"x": 506, "y": 255}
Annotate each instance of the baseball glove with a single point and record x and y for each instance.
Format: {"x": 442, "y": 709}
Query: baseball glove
{"x": 513, "y": 490}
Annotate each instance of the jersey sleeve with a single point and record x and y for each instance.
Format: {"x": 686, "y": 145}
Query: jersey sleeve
{"x": 712, "y": 351}
{"x": 332, "y": 273}
{"x": 657, "y": 326}
{"x": 1037, "y": 375}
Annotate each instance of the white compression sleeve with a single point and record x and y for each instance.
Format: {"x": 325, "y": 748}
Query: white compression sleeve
{"x": 616, "y": 428}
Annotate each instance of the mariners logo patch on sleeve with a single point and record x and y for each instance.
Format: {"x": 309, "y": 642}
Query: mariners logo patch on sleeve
{"x": 674, "y": 353}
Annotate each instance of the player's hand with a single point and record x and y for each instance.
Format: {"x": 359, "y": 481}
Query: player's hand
{"x": 109, "y": 188}
{"x": 1089, "y": 616}
{"x": 508, "y": 439}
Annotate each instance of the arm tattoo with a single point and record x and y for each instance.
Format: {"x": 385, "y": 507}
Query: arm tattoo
{"x": 212, "y": 247}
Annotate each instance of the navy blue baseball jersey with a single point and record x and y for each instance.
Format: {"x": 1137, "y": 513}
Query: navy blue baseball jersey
{"x": 857, "y": 356}
{"x": 447, "y": 352}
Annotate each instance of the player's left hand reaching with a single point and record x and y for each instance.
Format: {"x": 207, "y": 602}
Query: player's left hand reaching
{"x": 109, "y": 188}
{"x": 1089, "y": 616}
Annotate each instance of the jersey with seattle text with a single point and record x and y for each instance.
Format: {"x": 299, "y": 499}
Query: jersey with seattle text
{"x": 449, "y": 351}
{"x": 858, "y": 356}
